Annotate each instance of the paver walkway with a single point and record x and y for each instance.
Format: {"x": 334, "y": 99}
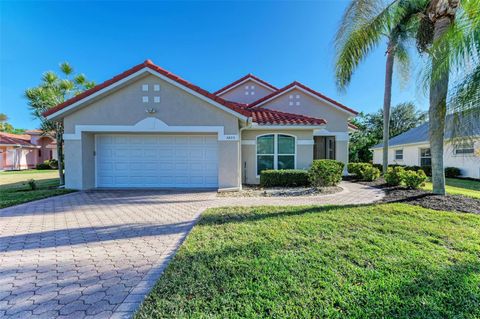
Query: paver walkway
{"x": 96, "y": 254}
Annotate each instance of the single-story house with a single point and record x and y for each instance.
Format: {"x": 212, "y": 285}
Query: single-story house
{"x": 461, "y": 149}
{"x": 24, "y": 151}
{"x": 147, "y": 127}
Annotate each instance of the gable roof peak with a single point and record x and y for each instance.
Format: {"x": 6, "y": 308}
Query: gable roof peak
{"x": 243, "y": 79}
{"x": 307, "y": 89}
{"x": 147, "y": 64}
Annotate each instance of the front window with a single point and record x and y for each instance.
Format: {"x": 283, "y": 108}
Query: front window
{"x": 275, "y": 151}
{"x": 425, "y": 157}
{"x": 399, "y": 154}
{"x": 464, "y": 149}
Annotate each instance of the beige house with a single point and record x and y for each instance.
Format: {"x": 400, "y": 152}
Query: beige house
{"x": 149, "y": 128}
{"x": 412, "y": 148}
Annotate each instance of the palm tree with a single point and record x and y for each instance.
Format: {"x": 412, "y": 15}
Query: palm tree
{"x": 364, "y": 25}
{"x": 52, "y": 91}
{"x": 450, "y": 34}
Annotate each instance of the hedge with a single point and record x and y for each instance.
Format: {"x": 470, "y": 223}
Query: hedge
{"x": 284, "y": 178}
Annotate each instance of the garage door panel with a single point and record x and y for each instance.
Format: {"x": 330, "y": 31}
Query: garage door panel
{"x": 157, "y": 161}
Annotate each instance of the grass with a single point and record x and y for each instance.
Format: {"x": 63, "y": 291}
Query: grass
{"x": 456, "y": 186}
{"x": 375, "y": 261}
{"x": 14, "y": 189}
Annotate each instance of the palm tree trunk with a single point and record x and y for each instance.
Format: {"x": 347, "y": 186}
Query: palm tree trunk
{"x": 442, "y": 13}
{"x": 387, "y": 99}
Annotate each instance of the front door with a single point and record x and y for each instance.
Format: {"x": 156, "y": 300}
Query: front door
{"x": 324, "y": 147}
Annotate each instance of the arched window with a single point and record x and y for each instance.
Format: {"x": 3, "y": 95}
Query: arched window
{"x": 275, "y": 151}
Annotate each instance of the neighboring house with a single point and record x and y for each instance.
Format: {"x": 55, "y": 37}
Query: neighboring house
{"x": 24, "y": 151}
{"x": 412, "y": 148}
{"x": 147, "y": 127}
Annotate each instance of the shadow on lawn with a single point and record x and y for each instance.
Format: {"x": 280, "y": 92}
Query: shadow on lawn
{"x": 250, "y": 214}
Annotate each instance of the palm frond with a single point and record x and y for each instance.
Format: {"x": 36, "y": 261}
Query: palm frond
{"x": 362, "y": 27}
{"x": 66, "y": 68}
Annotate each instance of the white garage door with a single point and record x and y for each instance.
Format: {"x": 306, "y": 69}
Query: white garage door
{"x": 157, "y": 161}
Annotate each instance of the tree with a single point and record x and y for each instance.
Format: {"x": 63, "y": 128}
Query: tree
{"x": 7, "y": 127}
{"x": 364, "y": 25}
{"x": 450, "y": 35}
{"x": 404, "y": 116}
{"x": 52, "y": 91}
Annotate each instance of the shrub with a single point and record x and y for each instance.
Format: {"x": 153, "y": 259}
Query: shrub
{"x": 414, "y": 179}
{"x": 369, "y": 173}
{"x": 326, "y": 172}
{"x": 414, "y": 168}
{"x": 284, "y": 178}
{"x": 394, "y": 176}
{"x": 379, "y": 166}
{"x": 452, "y": 172}
{"x": 41, "y": 166}
{"x": 356, "y": 168}
{"x": 32, "y": 184}
{"x": 53, "y": 163}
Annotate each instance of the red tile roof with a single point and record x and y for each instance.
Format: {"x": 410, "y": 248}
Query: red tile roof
{"x": 306, "y": 88}
{"x": 353, "y": 126}
{"x": 258, "y": 115}
{"x": 270, "y": 117}
{"x": 24, "y": 137}
{"x": 243, "y": 78}
{"x": 7, "y": 140}
{"x": 147, "y": 64}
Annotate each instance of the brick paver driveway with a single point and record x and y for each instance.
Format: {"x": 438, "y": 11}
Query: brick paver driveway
{"x": 96, "y": 254}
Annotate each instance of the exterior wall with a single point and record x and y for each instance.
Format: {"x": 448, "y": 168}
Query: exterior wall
{"x": 341, "y": 152}
{"x": 238, "y": 94}
{"x": 125, "y": 107}
{"x": 176, "y": 108}
{"x": 337, "y": 121}
{"x": 73, "y": 164}
{"x": 469, "y": 164}
{"x": 47, "y": 149}
{"x": 13, "y": 158}
{"x": 304, "y": 156}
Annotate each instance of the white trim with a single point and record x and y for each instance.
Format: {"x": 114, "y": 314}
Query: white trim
{"x": 242, "y": 82}
{"x": 139, "y": 72}
{"x": 149, "y": 125}
{"x": 275, "y": 151}
{"x": 309, "y": 93}
{"x": 305, "y": 142}
{"x": 339, "y": 136}
{"x": 299, "y": 142}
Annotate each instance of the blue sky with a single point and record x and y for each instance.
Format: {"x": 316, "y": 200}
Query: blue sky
{"x": 208, "y": 43}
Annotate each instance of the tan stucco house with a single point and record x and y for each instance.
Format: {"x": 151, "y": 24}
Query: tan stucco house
{"x": 147, "y": 127}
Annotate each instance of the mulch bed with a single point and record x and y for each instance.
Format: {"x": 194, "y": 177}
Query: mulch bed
{"x": 399, "y": 194}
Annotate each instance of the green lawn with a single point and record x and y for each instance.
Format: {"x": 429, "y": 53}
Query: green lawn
{"x": 14, "y": 190}
{"x": 375, "y": 261}
{"x": 457, "y": 186}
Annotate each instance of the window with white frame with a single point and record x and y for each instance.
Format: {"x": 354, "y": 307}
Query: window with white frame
{"x": 399, "y": 155}
{"x": 275, "y": 151}
{"x": 464, "y": 149}
{"x": 425, "y": 157}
